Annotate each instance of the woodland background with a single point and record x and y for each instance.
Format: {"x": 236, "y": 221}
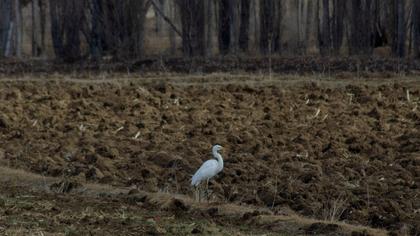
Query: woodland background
{"x": 74, "y": 30}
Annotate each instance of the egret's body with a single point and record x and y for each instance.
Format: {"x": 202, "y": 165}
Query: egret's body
{"x": 210, "y": 168}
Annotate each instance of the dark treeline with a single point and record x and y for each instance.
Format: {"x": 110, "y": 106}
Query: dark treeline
{"x": 92, "y": 29}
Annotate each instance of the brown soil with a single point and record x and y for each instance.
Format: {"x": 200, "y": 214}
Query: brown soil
{"x": 310, "y": 147}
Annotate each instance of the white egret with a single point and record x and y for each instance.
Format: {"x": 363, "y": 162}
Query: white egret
{"x": 209, "y": 169}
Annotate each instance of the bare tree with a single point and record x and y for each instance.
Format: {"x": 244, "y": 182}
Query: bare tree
{"x": 96, "y": 40}
{"x": 270, "y": 14}
{"x": 93, "y": 28}
{"x": 5, "y": 24}
{"x": 361, "y": 39}
{"x": 416, "y": 28}
{"x": 234, "y": 25}
{"x": 301, "y": 8}
{"x": 66, "y": 25}
{"x": 209, "y": 26}
{"x": 11, "y": 28}
{"x": 244, "y": 27}
{"x": 158, "y": 19}
{"x": 174, "y": 16}
{"x": 18, "y": 28}
{"x": 399, "y": 28}
{"x": 38, "y": 45}
{"x": 255, "y": 23}
{"x": 324, "y": 27}
{"x": 193, "y": 27}
{"x": 118, "y": 27}
{"x": 224, "y": 34}
{"x": 134, "y": 14}
{"x": 337, "y": 24}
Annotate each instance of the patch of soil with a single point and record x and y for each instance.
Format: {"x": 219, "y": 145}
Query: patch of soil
{"x": 305, "y": 147}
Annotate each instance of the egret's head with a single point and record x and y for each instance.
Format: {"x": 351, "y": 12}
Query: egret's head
{"x": 217, "y": 148}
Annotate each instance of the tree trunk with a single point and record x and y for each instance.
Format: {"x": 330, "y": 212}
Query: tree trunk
{"x": 416, "y": 28}
{"x": 172, "y": 38}
{"x": 158, "y": 18}
{"x": 339, "y": 10}
{"x": 209, "y": 27}
{"x": 299, "y": 26}
{"x": 234, "y": 25}
{"x": 193, "y": 27}
{"x": 224, "y": 35}
{"x": 310, "y": 23}
{"x": 257, "y": 23}
{"x": 37, "y": 48}
{"x": 57, "y": 34}
{"x": 324, "y": 34}
{"x": 72, "y": 26}
{"x": 135, "y": 27}
{"x": 65, "y": 26}
{"x": 43, "y": 15}
{"x": 97, "y": 28}
{"x": 19, "y": 29}
{"x": 362, "y": 34}
{"x": 270, "y": 21}
{"x": 5, "y": 23}
{"x": 244, "y": 28}
{"x": 399, "y": 37}
{"x": 123, "y": 27}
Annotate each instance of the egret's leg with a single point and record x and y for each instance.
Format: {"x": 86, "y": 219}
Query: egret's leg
{"x": 207, "y": 190}
{"x": 196, "y": 193}
{"x": 198, "y": 190}
{"x": 200, "y": 193}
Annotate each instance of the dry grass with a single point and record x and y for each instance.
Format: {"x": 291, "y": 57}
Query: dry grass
{"x": 178, "y": 202}
{"x": 333, "y": 210}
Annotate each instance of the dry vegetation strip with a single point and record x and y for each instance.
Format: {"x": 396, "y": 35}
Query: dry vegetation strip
{"x": 28, "y": 192}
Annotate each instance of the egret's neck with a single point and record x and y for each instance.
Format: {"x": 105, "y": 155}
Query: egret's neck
{"x": 218, "y": 157}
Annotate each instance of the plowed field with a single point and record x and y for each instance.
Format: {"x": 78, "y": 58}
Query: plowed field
{"x": 330, "y": 149}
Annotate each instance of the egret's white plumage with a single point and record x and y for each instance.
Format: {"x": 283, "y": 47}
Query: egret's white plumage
{"x": 209, "y": 168}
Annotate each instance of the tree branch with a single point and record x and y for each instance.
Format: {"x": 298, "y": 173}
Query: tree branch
{"x": 165, "y": 17}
